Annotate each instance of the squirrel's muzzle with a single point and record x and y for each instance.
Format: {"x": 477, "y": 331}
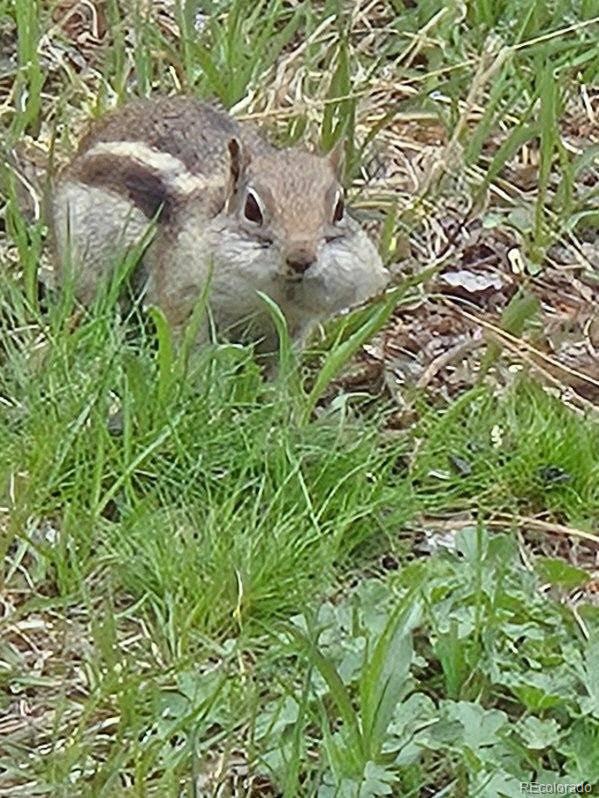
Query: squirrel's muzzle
{"x": 299, "y": 261}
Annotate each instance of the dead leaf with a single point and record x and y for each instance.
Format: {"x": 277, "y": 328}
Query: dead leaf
{"x": 472, "y": 283}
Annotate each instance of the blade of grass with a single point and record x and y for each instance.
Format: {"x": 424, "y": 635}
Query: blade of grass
{"x": 521, "y": 309}
{"x": 377, "y": 316}
{"x": 547, "y": 91}
{"x": 288, "y": 371}
{"x": 384, "y": 676}
{"x": 30, "y": 77}
{"x": 339, "y": 692}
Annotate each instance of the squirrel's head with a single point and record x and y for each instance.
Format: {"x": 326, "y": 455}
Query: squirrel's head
{"x": 291, "y": 200}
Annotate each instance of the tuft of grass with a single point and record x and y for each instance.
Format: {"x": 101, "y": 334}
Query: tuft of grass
{"x": 224, "y": 55}
{"x": 521, "y": 452}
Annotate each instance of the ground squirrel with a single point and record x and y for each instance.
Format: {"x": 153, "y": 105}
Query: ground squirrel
{"x": 225, "y": 206}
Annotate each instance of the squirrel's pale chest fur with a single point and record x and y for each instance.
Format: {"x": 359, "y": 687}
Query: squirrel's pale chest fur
{"x": 216, "y": 203}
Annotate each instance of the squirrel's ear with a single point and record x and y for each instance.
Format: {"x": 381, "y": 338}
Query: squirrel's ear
{"x": 337, "y": 159}
{"x": 240, "y": 160}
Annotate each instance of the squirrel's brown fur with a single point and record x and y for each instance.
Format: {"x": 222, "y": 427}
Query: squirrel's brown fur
{"x": 225, "y": 206}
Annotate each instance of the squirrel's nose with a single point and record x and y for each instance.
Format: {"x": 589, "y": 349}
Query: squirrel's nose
{"x": 300, "y": 260}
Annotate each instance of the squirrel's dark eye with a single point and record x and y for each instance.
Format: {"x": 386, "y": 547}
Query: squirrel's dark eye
{"x": 339, "y": 210}
{"x": 251, "y": 209}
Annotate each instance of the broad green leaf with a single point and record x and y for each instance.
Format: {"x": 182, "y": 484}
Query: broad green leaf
{"x": 559, "y": 572}
{"x": 591, "y": 705}
{"x": 539, "y": 734}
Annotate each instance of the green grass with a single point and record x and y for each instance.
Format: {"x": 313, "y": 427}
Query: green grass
{"x": 212, "y": 518}
{"x": 521, "y": 452}
{"x": 191, "y": 571}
